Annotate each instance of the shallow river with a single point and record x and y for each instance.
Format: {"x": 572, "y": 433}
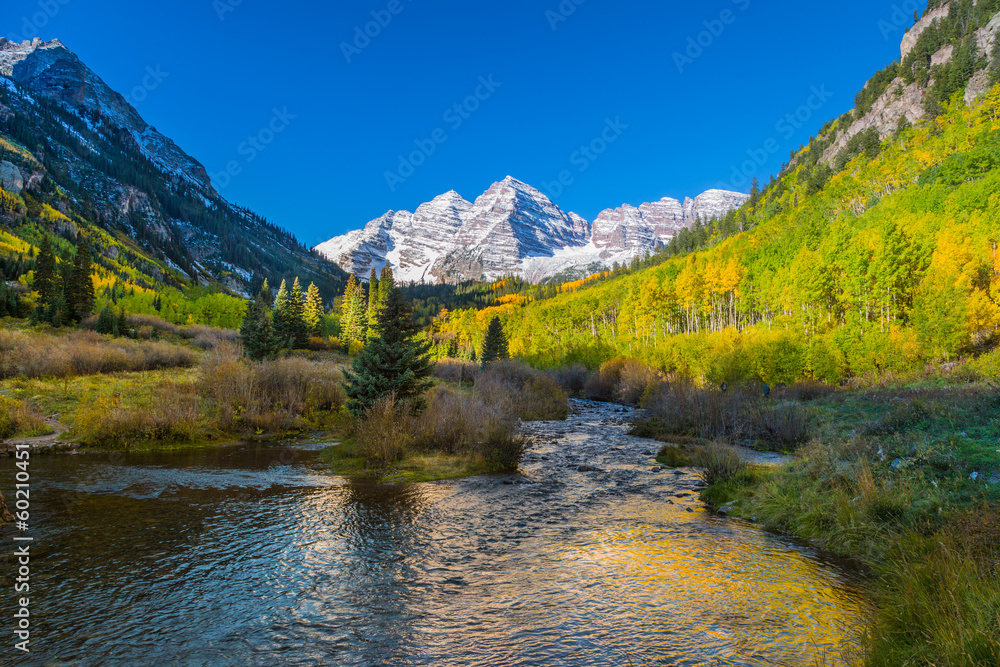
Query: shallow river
{"x": 247, "y": 556}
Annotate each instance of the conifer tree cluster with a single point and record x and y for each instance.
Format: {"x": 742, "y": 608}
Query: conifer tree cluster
{"x": 65, "y": 289}
{"x": 284, "y": 324}
{"x": 360, "y": 310}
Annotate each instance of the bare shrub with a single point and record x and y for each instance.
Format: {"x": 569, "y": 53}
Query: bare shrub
{"x": 456, "y": 370}
{"x": 808, "y": 391}
{"x": 383, "y": 434}
{"x": 784, "y": 426}
{"x": 528, "y": 394}
{"x": 603, "y": 385}
{"x": 633, "y": 380}
{"x": 572, "y": 379}
{"x": 271, "y": 395}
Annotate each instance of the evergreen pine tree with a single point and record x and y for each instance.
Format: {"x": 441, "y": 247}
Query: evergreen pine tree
{"x": 394, "y": 363}
{"x": 358, "y": 325}
{"x": 495, "y": 345}
{"x": 257, "y": 333}
{"x": 374, "y": 302}
{"x": 313, "y": 311}
{"x": 46, "y": 281}
{"x": 284, "y": 328}
{"x": 347, "y": 310}
{"x": 106, "y": 322}
{"x": 82, "y": 281}
{"x": 297, "y": 313}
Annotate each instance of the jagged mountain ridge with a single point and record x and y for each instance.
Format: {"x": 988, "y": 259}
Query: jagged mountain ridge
{"x": 77, "y": 145}
{"x": 513, "y": 228}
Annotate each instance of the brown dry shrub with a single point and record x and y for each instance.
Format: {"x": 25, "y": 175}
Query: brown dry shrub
{"x": 455, "y": 370}
{"x": 522, "y": 391}
{"x": 383, "y": 434}
{"x": 268, "y": 396}
{"x": 84, "y": 353}
{"x": 572, "y": 378}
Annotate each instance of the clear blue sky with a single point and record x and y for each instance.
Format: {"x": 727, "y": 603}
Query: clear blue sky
{"x": 220, "y": 80}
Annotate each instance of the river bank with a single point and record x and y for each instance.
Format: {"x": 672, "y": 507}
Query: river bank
{"x": 907, "y": 481}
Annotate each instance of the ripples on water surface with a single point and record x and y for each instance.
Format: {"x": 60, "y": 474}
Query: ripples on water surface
{"x": 245, "y": 556}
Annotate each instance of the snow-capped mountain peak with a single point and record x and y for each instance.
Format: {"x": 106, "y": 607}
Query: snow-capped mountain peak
{"x": 512, "y": 228}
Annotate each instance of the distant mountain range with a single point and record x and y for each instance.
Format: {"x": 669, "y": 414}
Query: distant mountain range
{"x": 513, "y": 228}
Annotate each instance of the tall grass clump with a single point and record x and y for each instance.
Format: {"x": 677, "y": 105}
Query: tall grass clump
{"x": 20, "y": 418}
{"x": 383, "y": 433}
{"x": 522, "y": 392}
{"x": 270, "y": 396}
{"x": 167, "y": 413}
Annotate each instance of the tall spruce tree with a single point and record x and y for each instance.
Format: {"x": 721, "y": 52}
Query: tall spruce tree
{"x": 257, "y": 332}
{"x": 394, "y": 363}
{"x": 347, "y": 310}
{"x": 313, "y": 311}
{"x": 297, "y": 312}
{"x": 374, "y": 303}
{"x": 82, "y": 281}
{"x": 284, "y": 327}
{"x": 495, "y": 345}
{"x": 46, "y": 281}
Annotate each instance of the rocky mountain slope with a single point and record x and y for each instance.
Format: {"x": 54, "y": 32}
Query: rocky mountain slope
{"x": 513, "y": 228}
{"x": 75, "y": 153}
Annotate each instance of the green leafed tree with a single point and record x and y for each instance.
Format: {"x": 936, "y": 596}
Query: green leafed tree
{"x": 347, "y": 309}
{"x": 394, "y": 363}
{"x": 495, "y": 344}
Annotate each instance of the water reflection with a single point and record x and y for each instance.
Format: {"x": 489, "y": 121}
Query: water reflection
{"x": 241, "y": 557}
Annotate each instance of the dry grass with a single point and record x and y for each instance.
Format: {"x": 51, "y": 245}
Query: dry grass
{"x": 20, "y": 418}
{"x": 164, "y": 414}
{"x": 84, "y": 353}
{"x": 269, "y": 396}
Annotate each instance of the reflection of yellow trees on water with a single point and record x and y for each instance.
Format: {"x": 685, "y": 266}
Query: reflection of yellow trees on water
{"x": 738, "y": 596}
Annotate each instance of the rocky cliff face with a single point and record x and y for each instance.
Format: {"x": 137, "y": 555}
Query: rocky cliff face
{"x": 113, "y": 170}
{"x": 900, "y": 100}
{"x": 51, "y": 70}
{"x": 513, "y": 228}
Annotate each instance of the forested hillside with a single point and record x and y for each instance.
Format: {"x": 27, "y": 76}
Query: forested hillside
{"x": 880, "y": 255}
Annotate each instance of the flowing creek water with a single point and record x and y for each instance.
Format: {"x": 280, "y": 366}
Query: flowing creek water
{"x": 247, "y": 556}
